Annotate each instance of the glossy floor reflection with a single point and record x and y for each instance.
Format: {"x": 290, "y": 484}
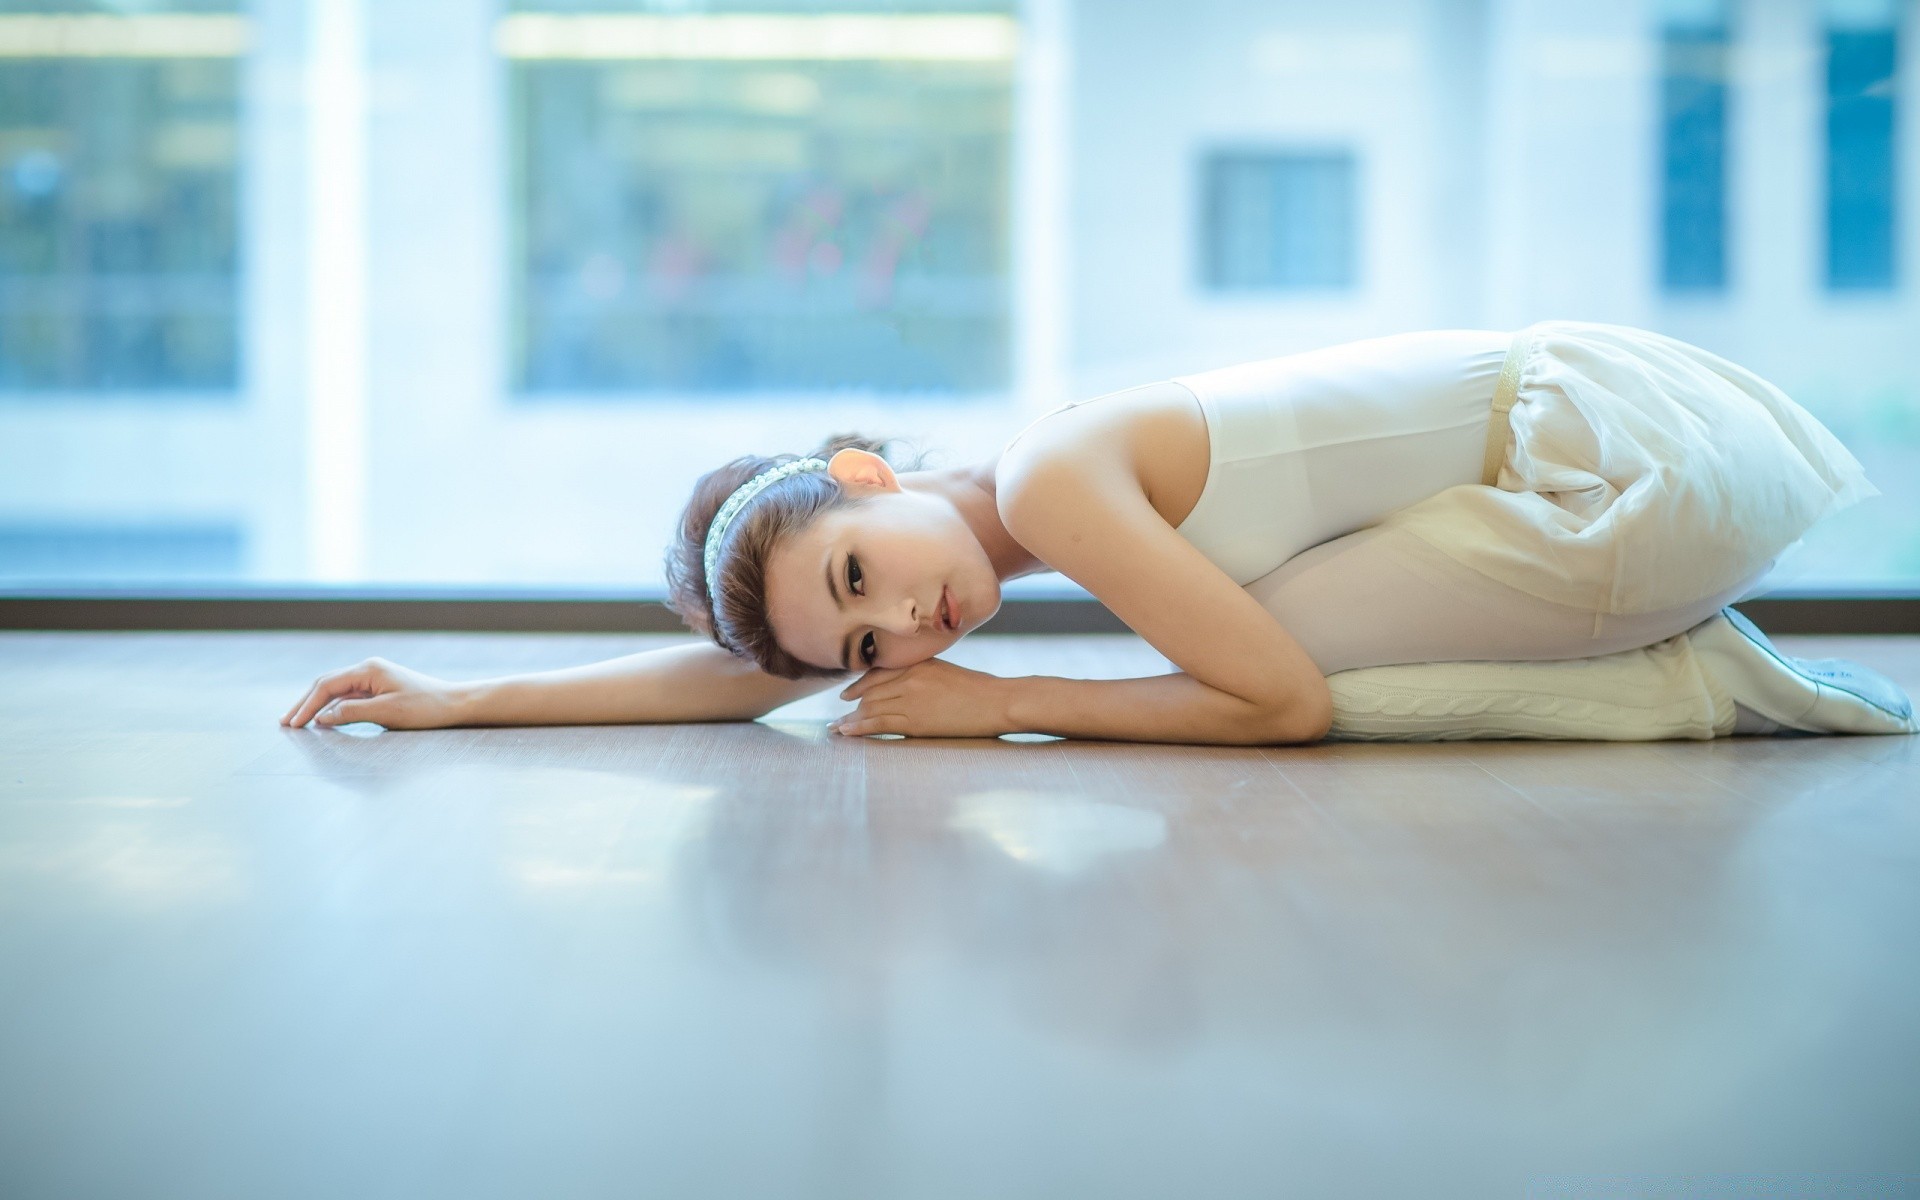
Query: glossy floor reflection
{"x": 757, "y": 960}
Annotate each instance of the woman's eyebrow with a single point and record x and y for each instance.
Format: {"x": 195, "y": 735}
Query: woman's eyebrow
{"x": 837, "y": 601}
{"x": 846, "y": 644}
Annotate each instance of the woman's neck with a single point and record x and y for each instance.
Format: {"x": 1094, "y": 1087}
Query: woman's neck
{"x": 971, "y": 491}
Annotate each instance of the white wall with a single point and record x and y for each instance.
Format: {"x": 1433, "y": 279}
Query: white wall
{"x": 1157, "y": 86}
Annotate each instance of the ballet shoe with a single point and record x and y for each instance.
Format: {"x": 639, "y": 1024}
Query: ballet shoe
{"x": 1829, "y": 695}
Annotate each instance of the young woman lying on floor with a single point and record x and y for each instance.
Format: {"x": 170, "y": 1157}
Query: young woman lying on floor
{"x": 1434, "y": 535}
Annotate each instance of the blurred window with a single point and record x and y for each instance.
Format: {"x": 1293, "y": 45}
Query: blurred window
{"x": 735, "y": 202}
{"x": 1276, "y": 220}
{"x": 1862, "y": 53}
{"x": 119, "y": 166}
{"x": 1693, "y": 175}
{"x": 503, "y": 258}
{"x": 68, "y": 550}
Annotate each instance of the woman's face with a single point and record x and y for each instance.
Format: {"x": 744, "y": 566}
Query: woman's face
{"x": 887, "y": 583}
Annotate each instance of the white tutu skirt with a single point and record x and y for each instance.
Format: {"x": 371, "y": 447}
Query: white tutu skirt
{"x": 1642, "y": 474}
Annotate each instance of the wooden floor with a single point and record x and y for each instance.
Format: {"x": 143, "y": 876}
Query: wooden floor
{"x": 756, "y": 960}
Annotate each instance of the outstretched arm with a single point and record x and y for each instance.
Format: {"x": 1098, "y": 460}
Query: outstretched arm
{"x": 695, "y": 682}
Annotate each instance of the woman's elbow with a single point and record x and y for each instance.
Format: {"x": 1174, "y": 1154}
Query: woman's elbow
{"x": 1304, "y": 717}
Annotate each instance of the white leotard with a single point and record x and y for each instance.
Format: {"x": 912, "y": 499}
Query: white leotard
{"x": 1312, "y": 446}
{"x": 1639, "y": 474}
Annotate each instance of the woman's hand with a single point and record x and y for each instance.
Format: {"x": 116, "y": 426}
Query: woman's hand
{"x": 928, "y": 699}
{"x": 378, "y": 691}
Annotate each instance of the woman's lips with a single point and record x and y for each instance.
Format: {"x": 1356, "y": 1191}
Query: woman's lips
{"x": 952, "y": 610}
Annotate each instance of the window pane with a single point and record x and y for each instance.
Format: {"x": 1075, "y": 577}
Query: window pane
{"x": 1278, "y": 220}
{"x": 96, "y": 552}
{"x": 1861, "y": 96}
{"x": 724, "y": 226}
{"x": 118, "y": 181}
{"x": 1693, "y": 101}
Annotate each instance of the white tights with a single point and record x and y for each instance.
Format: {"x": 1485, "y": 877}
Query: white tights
{"x": 1418, "y": 647}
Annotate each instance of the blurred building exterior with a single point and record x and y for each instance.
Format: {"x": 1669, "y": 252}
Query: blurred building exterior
{"x": 440, "y": 293}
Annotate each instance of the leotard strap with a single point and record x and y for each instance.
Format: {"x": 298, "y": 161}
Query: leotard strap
{"x": 1499, "y": 430}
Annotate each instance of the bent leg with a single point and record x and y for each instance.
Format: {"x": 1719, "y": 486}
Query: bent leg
{"x": 1651, "y": 693}
{"x": 1417, "y": 648}
{"x": 1382, "y": 596}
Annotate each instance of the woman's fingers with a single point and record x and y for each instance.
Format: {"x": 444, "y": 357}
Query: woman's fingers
{"x": 326, "y": 689}
{"x": 865, "y": 717}
{"x": 874, "y": 675}
{"x": 316, "y": 698}
{"x": 301, "y": 703}
{"x": 866, "y": 709}
{"x": 309, "y": 704}
{"x": 286, "y": 718}
{"x": 345, "y": 712}
{"x": 861, "y": 727}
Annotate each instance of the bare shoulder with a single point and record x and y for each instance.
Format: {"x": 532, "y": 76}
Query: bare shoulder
{"x": 1149, "y": 441}
{"x": 1042, "y": 481}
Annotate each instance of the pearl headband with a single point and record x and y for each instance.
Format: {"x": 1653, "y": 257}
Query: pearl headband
{"x": 745, "y": 492}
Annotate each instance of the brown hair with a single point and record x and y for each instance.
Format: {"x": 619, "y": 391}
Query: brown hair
{"x": 738, "y": 622}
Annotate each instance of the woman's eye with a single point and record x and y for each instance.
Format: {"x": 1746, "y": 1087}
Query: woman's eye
{"x": 868, "y": 655}
{"x": 854, "y": 574}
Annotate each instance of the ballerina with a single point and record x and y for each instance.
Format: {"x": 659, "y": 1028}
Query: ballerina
{"x": 1447, "y": 534}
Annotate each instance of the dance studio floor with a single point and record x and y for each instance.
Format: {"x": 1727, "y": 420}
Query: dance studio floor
{"x": 756, "y": 960}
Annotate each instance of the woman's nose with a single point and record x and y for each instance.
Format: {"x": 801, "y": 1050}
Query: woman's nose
{"x": 904, "y": 619}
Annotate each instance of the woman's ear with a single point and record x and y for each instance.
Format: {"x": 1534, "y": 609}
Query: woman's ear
{"x": 856, "y": 468}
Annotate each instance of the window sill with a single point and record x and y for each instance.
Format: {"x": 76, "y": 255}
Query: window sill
{"x": 608, "y": 610}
